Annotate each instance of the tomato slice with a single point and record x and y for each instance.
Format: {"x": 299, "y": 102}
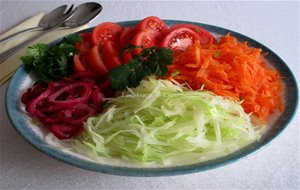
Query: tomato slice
{"x": 151, "y": 23}
{"x": 86, "y": 37}
{"x": 146, "y": 39}
{"x": 126, "y": 57}
{"x": 205, "y": 36}
{"x": 80, "y": 59}
{"x": 106, "y": 31}
{"x": 126, "y": 36}
{"x": 83, "y": 47}
{"x": 78, "y": 65}
{"x": 111, "y": 55}
{"x": 179, "y": 38}
{"x": 95, "y": 62}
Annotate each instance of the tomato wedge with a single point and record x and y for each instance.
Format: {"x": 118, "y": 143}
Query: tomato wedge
{"x": 127, "y": 35}
{"x": 106, "y": 31}
{"x": 205, "y": 36}
{"x": 146, "y": 39}
{"x": 179, "y": 38}
{"x": 78, "y": 65}
{"x": 80, "y": 59}
{"x": 111, "y": 55}
{"x": 151, "y": 23}
{"x": 86, "y": 37}
{"x": 126, "y": 57}
{"x": 95, "y": 62}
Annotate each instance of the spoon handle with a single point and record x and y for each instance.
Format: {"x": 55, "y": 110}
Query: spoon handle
{"x": 18, "y": 33}
{"x": 4, "y": 55}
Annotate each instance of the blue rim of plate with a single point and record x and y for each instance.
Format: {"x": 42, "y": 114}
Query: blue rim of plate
{"x": 19, "y": 120}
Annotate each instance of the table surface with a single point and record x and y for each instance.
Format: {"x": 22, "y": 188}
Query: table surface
{"x": 274, "y": 24}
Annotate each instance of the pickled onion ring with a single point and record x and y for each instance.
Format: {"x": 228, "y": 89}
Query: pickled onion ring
{"x": 65, "y": 105}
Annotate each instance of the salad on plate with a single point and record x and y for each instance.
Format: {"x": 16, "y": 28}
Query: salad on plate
{"x": 151, "y": 94}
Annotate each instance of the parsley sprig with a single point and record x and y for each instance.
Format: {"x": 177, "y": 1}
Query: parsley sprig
{"x": 51, "y": 62}
{"x": 152, "y": 60}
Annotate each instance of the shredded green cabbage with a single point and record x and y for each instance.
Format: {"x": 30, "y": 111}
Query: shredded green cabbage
{"x": 166, "y": 123}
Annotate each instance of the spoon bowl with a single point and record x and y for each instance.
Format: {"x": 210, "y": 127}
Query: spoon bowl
{"x": 49, "y": 20}
{"x": 83, "y": 14}
{"x": 56, "y": 17}
{"x": 60, "y": 18}
{"x": 64, "y": 18}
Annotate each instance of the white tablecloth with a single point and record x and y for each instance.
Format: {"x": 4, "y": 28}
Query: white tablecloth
{"x": 274, "y": 24}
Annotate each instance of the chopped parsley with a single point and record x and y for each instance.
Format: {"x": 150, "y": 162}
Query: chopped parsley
{"x": 152, "y": 60}
{"x": 51, "y": 62}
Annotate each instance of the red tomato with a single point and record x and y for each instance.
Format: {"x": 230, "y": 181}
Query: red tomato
{"x": 179, "y": 38}
{"x": 146, "y": 39}
{"x": 151, "y": 23}
{"x": 126, "y": 36}
{"x": 205, "y": 36}
{"x": 78, "y": 65}
{"x": 111, "y": 55}
{"x": 106, "y": 31}
{"x": 86, "y": 37}
{"x": 83, "y": 47}
{"x": 95, "y": 62}
{"x": 80, "y": 59}
{"x": 126, "y": 57}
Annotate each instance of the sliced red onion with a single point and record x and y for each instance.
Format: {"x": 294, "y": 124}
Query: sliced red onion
{"x": 66, "y": 104}
{"x": 76, "y": 115}
{"x": 71, "y": 100}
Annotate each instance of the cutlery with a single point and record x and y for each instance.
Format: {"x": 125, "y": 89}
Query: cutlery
{"x": 82, "y": 14}
{"x": 48, "y": 21}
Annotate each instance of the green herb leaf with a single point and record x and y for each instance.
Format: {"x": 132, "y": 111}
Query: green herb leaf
{"x": 51, "y": 62}
{"x": 151, "y": 60}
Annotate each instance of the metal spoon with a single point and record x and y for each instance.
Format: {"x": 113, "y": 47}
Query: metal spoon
{"x": 48, "y": 21}
{"x": 82, "y": 14}
{"x": 64, "y": 16}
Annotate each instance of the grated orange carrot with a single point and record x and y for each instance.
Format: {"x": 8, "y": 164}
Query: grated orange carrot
{"x": 231, "y": 69}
